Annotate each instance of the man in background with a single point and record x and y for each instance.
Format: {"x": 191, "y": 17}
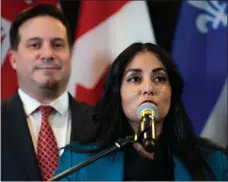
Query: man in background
{"x": 41, "y": 117}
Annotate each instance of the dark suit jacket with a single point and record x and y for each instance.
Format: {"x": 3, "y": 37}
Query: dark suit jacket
{"x": 18, "y": 158}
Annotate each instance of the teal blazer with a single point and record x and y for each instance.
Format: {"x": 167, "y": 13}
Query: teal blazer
{"x": 111, "y": 167}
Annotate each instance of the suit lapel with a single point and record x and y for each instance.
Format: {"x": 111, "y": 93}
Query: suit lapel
{"x": 180, "y": 172}
{"x": 113, "y": 168}
{"x": 82, "y": 126}
{"x": 21, "y": 138}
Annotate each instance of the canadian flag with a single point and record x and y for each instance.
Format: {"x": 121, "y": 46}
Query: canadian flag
{"x": 10, "y": 9}
{"x": 105, "y": 28}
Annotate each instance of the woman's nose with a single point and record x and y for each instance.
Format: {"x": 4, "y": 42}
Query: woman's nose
{"x": 147, "y": 88}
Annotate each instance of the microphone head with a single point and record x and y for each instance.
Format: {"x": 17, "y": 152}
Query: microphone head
{"x": 147, "y": 106}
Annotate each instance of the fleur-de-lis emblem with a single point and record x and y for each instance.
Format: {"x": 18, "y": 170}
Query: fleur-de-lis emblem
{"x": 214, "y": 12}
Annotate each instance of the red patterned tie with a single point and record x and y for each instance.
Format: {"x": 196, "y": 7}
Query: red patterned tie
{"x": 47, "y": 150}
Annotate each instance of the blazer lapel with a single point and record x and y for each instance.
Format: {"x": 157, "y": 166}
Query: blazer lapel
{"x": 180, "y": 172}
{"x": 108, "y": 168}
{"x": 82, "y": 126}
{"x": 113, "y": 168}
{"x": 21, "y": 139}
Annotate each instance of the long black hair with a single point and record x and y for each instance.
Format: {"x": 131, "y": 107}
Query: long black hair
{"x": 178, "y": 131}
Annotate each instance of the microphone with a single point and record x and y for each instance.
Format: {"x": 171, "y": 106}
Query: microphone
{"x": 146, "y": 135}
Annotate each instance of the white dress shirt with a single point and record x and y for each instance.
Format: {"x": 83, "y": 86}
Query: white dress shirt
{"x": 59, "y": 120}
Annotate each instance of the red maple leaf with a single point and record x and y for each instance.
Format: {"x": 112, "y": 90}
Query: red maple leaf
{"x": 91, "y": 95}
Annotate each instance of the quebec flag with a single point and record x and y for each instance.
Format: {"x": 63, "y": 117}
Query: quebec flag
{"x": 200, "y": 52}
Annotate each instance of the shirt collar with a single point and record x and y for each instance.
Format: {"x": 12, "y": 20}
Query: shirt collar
{"x": 61, "y": 104}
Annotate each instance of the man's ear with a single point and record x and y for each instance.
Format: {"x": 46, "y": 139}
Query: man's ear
{"x": 12, "y": 58}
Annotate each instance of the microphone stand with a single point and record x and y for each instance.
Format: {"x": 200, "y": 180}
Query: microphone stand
{"x": 118, "y": 144}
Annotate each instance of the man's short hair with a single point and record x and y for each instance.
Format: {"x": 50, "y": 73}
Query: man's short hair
{"x": 39, "y": 10}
